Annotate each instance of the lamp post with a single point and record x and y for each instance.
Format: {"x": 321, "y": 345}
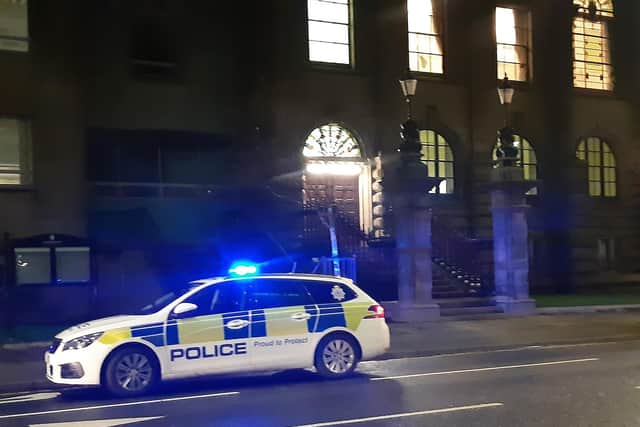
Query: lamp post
{"x": 409, "y": 186}
{"x": 408, "y": 85}
{"x": 507, "y": 152}
{"x": 508, "y": 214}
{"x": 409, "y": 129}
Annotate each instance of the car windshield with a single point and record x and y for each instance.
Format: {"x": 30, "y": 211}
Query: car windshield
{"x": 164, "y": 300}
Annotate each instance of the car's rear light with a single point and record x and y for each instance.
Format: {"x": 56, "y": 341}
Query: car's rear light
{"x": 377, "y": 310}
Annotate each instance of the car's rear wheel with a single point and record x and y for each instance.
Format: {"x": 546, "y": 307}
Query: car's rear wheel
{"x": 131, "y": 371}
{"x": 337, "y": 356}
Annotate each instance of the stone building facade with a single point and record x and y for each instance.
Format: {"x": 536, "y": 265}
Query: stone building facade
{"x": 157, "y": 123}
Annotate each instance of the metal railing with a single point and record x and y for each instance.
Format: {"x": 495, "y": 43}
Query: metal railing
{"x": 329, "y": 265}
{"x": 461, "y": 257}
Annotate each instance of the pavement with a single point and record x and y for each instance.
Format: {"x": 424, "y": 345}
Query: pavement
{"x": 568, "y": 385}
{"x": 22, "y": 368}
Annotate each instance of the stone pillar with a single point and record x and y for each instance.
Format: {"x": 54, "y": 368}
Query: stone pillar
{"x": 510, "y": 240}
{"x": 409, "y": 187}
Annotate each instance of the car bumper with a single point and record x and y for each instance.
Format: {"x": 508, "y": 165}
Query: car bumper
{"x": 374, "y": 338}
{"x": 76, "y": 367}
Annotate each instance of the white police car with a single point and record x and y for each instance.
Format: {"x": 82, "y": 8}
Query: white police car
{"x": 225, "y": 325}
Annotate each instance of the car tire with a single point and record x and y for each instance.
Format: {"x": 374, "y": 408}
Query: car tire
{"x": 337, "y": 356}
{"x": 131, "y": 371}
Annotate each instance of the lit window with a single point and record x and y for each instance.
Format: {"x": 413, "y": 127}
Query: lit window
{"x": 526, "y": 160}
{"x": 331, "y": 140}
{"x": 512, "y": 43}
{"x": 591, "y": 52}
{"x": 14, "y": 25}
{"x": 601, "y": 164}
{"x": 425, "y": 43}
{"x": 329, "y": 31}
{"x": 15, "y": 153}
{"x": 437, "y": 155}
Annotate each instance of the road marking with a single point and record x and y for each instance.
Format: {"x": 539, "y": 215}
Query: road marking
{"x": 500, "y": 350}
{"x": 47, "y": 390}
{"x": 28, "y": 398}
{"x": 117, "y": 405}
{"x": 98, "y": 423}
{"x": 403, "y": 415}
{"x": 464, "y": 353}
{"x": 491, "y": 368}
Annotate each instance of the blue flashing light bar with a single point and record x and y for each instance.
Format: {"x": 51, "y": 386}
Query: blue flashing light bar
{"x": 243, "y": 268}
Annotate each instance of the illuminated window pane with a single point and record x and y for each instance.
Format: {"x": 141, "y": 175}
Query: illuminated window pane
{"x": 600, "y": 166}
{"x": 602, "y": 7}
{"x": 431, "y": 151}
{"x": 15, "y": 155}
{"x": 437, "y": 155}
{"x": 329, "y": 33}
{"x": 432, "y": 170}
{"x": 331, "y": 140}
{"x": 14, "y": 25}
{"x": 512, "y": 38}
{"x": 329, "y": 11}
{"x": 592, "y": 67}
{"x": 328, "y": 52}
{"x": 425, "y": 38}
{"x": 580, "y": 152}
{"x": 329, "y": 26}
{"x": 448, "y": 167}
{"x": 526, "y": 159}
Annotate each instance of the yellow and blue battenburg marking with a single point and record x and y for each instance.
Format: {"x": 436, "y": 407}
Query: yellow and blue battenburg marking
{"x": 153, "y": 333}
{"x": 262, "y": 323}
{"x": 331, "y": 316}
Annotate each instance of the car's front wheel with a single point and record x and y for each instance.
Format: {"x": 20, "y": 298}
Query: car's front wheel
{"x": 337, "y": 356}
{"x": 131, "y": 371}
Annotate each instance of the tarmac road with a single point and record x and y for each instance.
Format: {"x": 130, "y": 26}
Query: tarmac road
{"x": 567, "y": 385}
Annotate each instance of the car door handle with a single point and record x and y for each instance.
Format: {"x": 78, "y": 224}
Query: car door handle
{"x": 237, "y": 324}
{"x": 301, "y": 316}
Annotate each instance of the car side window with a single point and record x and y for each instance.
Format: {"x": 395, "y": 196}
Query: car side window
{"x": 229, "y": 297}
{"x": 272, "y": 293}
{"x": 203, "y": 299}
{"x": 216, "y": 299}
{"x": 329, "y": 292}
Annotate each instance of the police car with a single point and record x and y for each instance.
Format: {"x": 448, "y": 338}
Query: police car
{"x": 225, "y": 325}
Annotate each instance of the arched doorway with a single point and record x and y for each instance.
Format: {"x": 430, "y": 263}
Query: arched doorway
{"x": 337, "y": 173}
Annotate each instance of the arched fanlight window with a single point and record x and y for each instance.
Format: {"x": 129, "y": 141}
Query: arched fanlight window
{"x": 601, "y": 163}
{"x": 526, "y": 159}
{"x": 437, "y": 155}
{"x": 331, "y": 140}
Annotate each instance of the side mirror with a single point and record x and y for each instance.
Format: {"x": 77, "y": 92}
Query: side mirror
{"x": 184, "y": 307}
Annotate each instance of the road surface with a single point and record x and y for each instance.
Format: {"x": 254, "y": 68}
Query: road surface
{"x": 573, "y": 385}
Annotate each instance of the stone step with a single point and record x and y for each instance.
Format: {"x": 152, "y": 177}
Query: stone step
{"x": 465, "y": 302}
{"x": 463, "y": 311}
{"x": 480, "y": 316}
{"x": 448, "y": 294}
{"x": 446, "y": 286}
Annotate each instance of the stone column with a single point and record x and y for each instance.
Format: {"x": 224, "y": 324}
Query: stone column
{"x": 510, "y": 240}
{"x": 409, "y": 187}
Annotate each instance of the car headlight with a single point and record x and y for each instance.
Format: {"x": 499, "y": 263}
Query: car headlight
{"x": 81, "y": 342}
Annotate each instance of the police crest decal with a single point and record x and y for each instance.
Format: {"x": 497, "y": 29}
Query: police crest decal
{"x": 337, "y": 293}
